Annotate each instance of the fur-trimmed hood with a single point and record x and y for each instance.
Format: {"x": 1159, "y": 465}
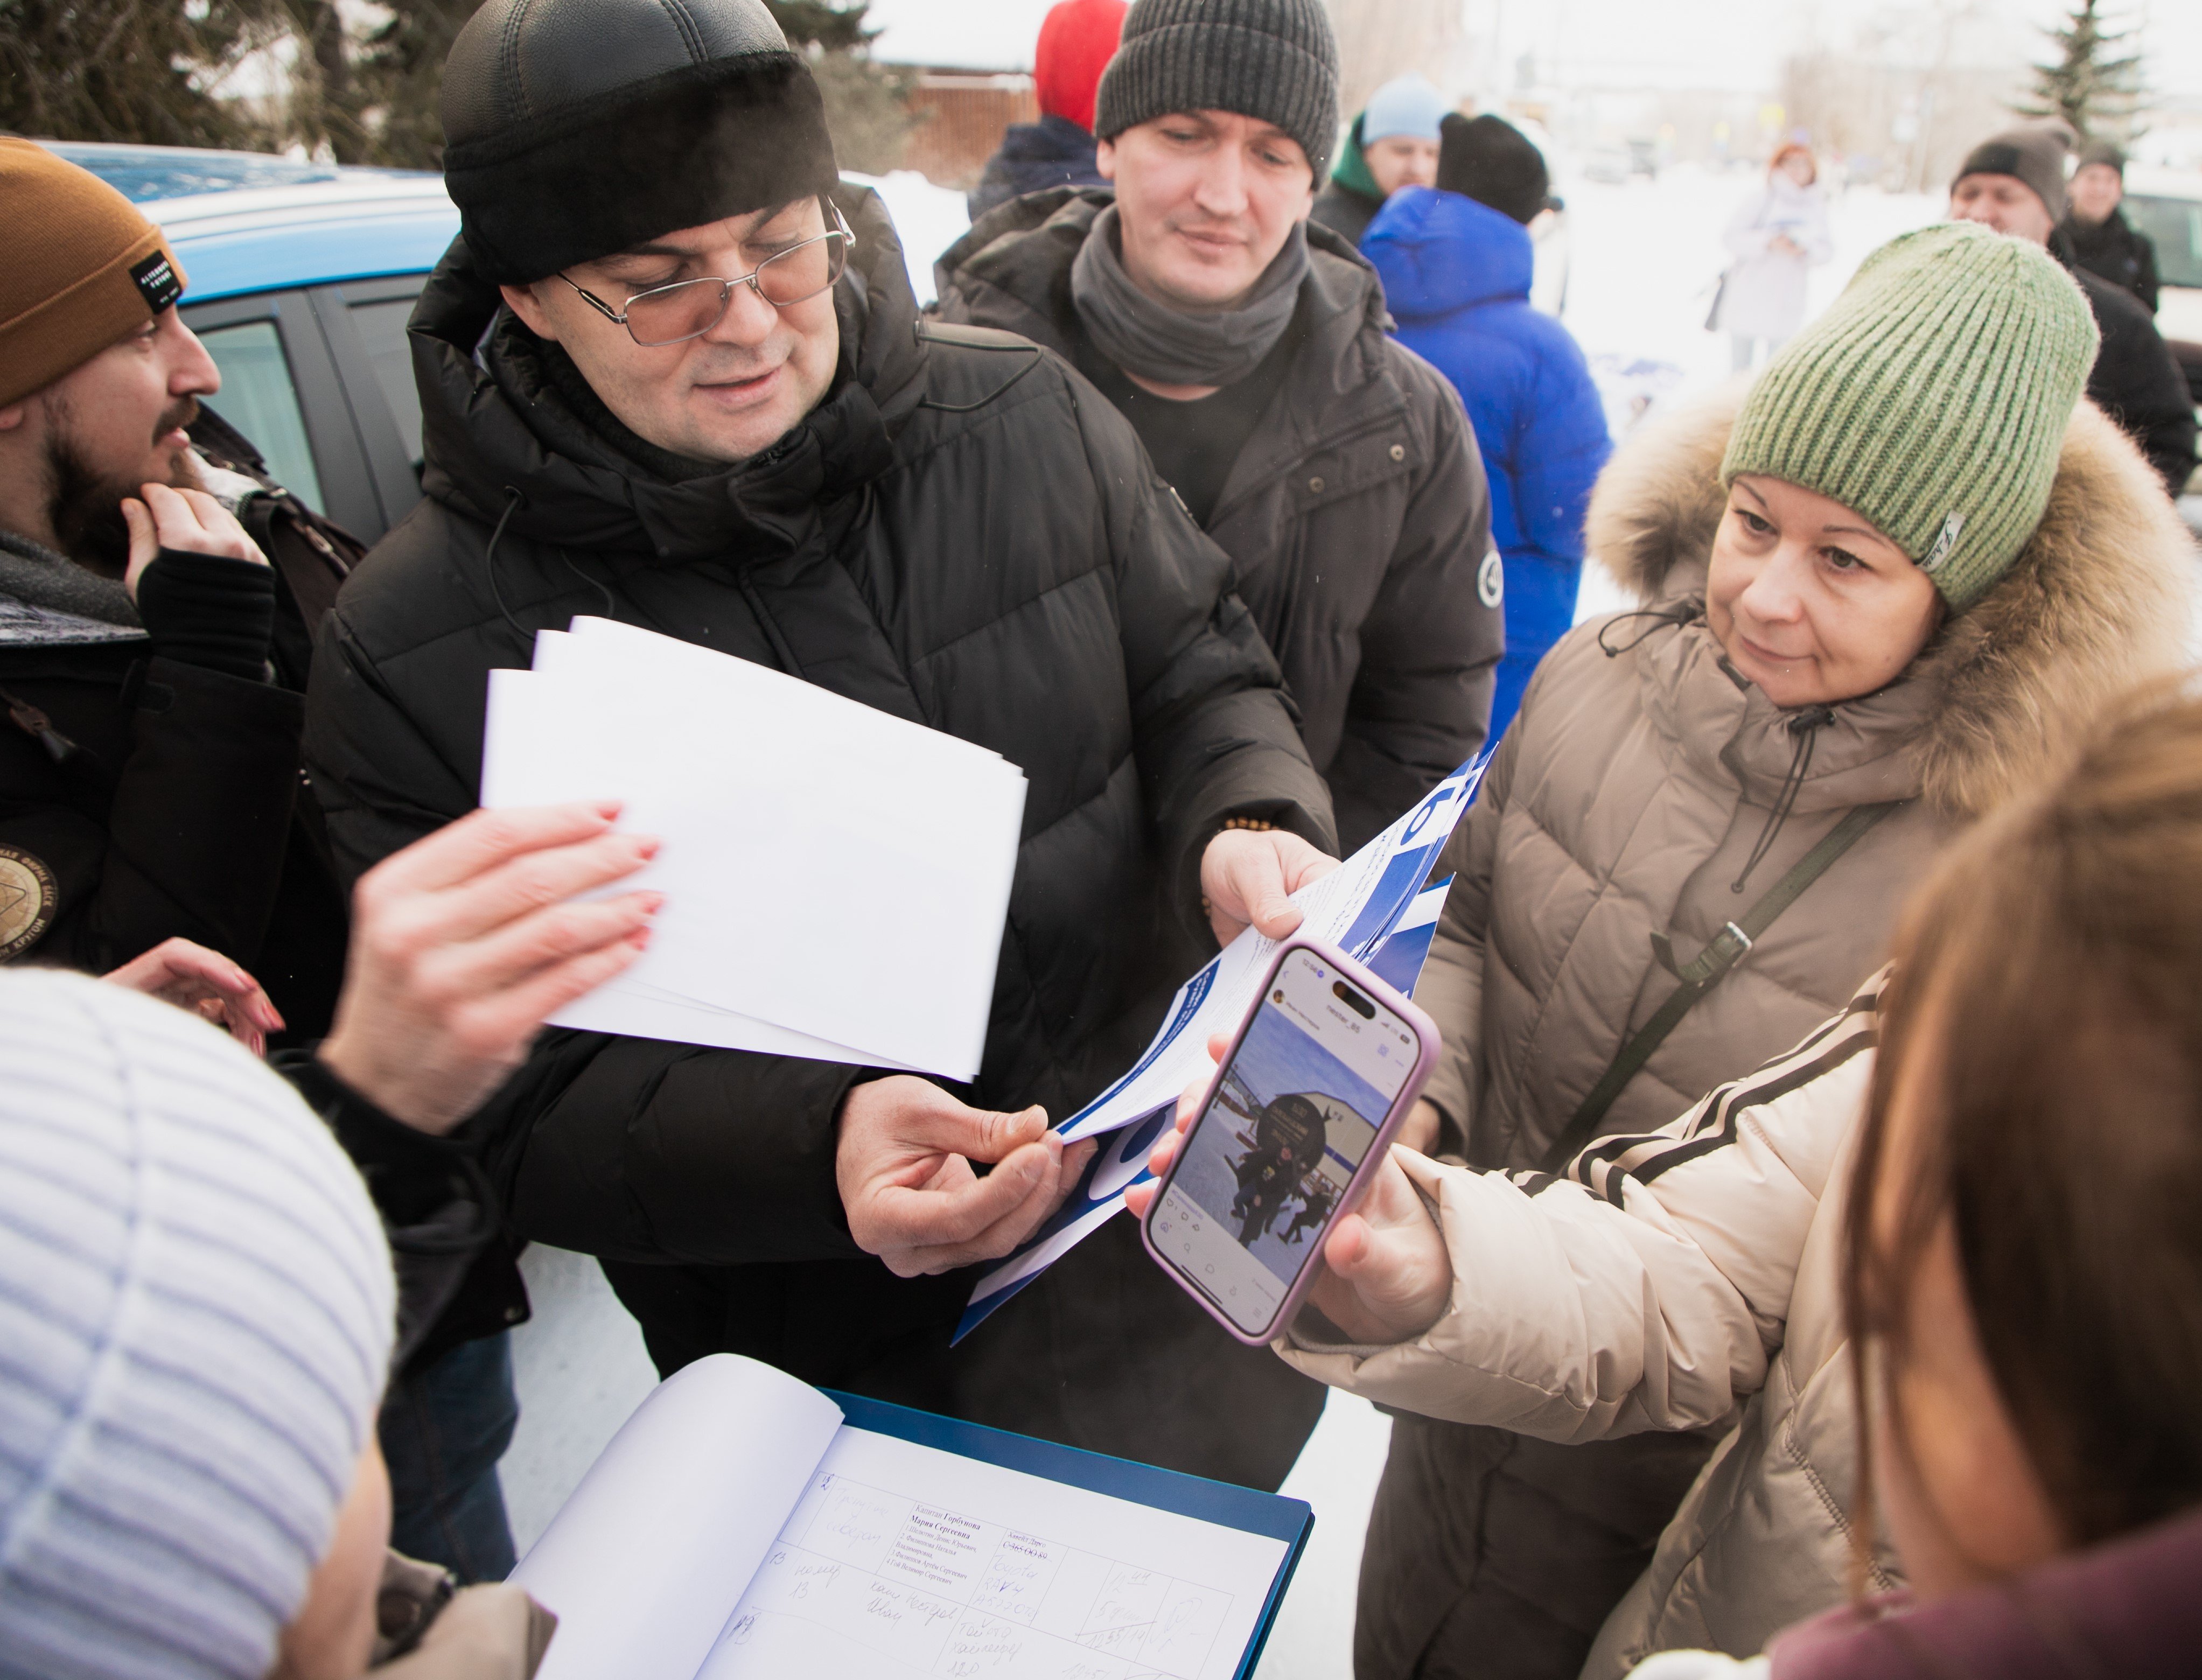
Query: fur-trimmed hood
{"x": 2098, "y": 600}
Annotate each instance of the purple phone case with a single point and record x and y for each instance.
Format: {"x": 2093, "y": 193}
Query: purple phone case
{"x": 1426, "y": 1037}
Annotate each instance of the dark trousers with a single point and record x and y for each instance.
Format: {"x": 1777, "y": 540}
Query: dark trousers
{"x": 443, "y": 1430}
{"x": 1494, "y": 1556}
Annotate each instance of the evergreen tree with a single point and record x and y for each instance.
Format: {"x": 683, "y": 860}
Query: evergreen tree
{"x": 401, "y": 67}
{"x": 142, "y": 71}
{"x": 2090, "y": 85}
{"x": 866, "y": 107}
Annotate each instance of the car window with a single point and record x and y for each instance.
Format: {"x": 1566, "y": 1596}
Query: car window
{"x": 2175, "y": 225}
{"x": 382, "y": 330}
{"x": 259, "y": 399}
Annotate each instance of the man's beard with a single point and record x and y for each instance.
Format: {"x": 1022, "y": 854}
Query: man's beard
{"x": 85, "y": 507}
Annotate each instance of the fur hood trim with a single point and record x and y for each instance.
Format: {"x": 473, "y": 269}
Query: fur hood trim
{"x": 2096, "y": 603}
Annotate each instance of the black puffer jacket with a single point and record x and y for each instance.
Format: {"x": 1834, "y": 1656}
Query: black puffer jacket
{"x": 145, "y": 797}
{"x": 961, "y": 533}
{"x": 2116, "y": 250}
{"x": 2136, "y": 380}
{"x": 1357, "y": 514}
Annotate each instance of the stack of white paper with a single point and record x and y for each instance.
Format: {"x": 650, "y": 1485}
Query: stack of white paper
{"x": 835, "y": 878}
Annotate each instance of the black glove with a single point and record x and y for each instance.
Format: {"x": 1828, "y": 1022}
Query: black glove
{"x": 210, "y": 610}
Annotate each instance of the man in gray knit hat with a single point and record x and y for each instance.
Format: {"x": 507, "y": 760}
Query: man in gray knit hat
{"x": 1248, "y": 351}
{"x": 2014, "y": 182}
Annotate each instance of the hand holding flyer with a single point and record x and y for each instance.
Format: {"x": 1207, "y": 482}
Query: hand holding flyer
{"x": 1374, "y": 907}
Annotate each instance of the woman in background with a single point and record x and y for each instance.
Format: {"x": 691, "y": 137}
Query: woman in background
{"x": 1774, "y": 236}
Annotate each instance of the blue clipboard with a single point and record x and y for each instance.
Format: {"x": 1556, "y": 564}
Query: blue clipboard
{"x": 1224, "y": 1503}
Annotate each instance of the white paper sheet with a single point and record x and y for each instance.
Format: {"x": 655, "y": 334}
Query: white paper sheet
{"x": 643, "y": 1562}
{"x": 635, "y": 1011}
{"x": 829, "y": 870}
{"x": 903, "y": 1560}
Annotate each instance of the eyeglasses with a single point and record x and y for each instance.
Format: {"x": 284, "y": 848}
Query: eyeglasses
{"x": 672, "y": 314}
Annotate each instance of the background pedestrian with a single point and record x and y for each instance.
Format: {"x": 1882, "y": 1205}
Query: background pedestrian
{"x": 1077, "y": 39}
{"x": 1393, "y": 143}
{"x": 1458, "y": 264}
{"x": 1778, "y": 234}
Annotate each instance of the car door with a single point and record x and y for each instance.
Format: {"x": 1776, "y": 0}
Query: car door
{"x": 319, "y": 378}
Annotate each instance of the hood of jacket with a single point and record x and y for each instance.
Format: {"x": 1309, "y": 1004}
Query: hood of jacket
{"x": 1351, "y": 171}
{"x": 1443, "y": 251}
{"x": 1053, "y": 139}
{"x": 498, "y": 434}
{"x": 2097, "y": 600}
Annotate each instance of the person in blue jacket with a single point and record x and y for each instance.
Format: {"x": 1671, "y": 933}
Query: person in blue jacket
{"x": 1456, "y": 262}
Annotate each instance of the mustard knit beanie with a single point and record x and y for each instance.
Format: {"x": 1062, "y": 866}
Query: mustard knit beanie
{"x": 1932, "y": 399}
{"x": 84, "y": 269}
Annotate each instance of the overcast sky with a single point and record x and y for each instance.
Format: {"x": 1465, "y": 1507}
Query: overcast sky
{"x": 1734, "y": 43}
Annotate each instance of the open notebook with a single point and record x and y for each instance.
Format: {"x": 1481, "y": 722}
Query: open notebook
{"x": 743, "y": 1526}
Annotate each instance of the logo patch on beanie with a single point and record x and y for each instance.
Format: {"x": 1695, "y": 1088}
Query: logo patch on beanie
{"x": 1948, "y": 540}
{"x": 156, "y": 281}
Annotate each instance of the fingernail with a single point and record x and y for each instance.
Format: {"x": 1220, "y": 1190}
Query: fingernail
{"x": 652, "y": 902}
{"x": 641, "y": 938}
{"x": 606, "y": 808}
{"x": 648, "y": 848}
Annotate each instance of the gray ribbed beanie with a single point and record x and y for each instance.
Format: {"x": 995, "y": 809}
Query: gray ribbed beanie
{"x": 1932, "y": 398}
{"x": 1274, "y": 59}
{"x": 195, "y": 1308}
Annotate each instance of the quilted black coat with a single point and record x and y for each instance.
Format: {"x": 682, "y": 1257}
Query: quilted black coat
{"x": 962, "y": 533}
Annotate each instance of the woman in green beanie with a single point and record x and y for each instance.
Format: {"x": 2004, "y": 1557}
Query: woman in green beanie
{"x": 1878, "y": 596}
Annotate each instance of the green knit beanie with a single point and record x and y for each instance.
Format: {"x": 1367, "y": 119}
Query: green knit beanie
{"x": 1932, "y": 399}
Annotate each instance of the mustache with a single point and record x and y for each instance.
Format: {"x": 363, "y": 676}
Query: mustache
{"x": 178, "y": 417}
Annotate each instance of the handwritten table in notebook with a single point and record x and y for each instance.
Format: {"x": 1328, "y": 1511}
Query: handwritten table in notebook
{"x": 942, "y": 1592}
{"x": 980, "y": 1584}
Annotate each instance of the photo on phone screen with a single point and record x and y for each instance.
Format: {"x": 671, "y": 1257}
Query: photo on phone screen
{"x": 1265, "y": 1163}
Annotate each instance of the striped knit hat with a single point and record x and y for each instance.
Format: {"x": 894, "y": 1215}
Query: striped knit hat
{"x": 195, "y": 1308}
{"x": 1932, "y": 399}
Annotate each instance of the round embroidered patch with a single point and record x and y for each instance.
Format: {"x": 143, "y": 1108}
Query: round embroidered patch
{"x": 1491, "y": 579}
{"x": 27, "y": 895}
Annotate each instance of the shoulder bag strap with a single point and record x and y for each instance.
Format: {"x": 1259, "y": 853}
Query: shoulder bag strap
{"x": 1702, "y": 973}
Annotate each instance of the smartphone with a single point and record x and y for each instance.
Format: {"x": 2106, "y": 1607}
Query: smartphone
{"x": 1305, "y": 1101}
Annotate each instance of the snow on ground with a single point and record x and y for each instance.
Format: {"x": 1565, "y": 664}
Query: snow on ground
{"x": 1645, "y": 257}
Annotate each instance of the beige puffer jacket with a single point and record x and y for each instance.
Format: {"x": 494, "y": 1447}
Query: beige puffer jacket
{"x": 1639, "y": 776}
{"x": 1667, "y": 1282}
{"x": 1698, "y": 1284}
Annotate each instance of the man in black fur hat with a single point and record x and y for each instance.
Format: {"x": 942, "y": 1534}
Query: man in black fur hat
{"x": 672, "y": 370}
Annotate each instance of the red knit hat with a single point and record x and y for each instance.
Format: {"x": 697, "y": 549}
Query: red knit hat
{"x": 1076, "y": 43}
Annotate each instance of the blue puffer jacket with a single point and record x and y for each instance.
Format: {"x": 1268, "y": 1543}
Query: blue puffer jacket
{"x": 1457, "y": 275}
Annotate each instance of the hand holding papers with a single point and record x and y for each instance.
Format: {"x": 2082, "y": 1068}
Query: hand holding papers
{"x": 836, "y": 879}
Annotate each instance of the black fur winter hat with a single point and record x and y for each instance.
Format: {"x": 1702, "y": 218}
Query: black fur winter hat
{"x": 577, "y": 128}
{"x": 1489, "y": 160}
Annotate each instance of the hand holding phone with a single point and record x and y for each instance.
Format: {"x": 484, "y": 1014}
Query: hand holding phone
{"x": 1294, "y": 1130}
{"x": 1387, "y": 1274}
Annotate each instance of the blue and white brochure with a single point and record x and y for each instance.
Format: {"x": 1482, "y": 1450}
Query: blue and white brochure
{"x": 1373, "y": 907}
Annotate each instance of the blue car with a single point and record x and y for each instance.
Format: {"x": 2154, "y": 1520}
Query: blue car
{"x": 302, "y": 276}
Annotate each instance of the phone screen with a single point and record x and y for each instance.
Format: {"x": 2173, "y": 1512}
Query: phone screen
{"x": 1265, "y": 1163}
